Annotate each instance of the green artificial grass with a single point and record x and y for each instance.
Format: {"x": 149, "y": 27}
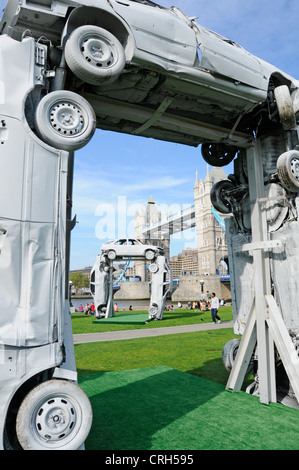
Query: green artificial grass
{"x": 160, "y": 408}
{"x": 168, "y": 392}
{"x": 134, "y": 320}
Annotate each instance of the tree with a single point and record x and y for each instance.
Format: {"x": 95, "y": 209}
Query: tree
{"x": 79, "y": 280}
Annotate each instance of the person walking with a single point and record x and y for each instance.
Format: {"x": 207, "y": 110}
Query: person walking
{"x": 215, "y": 308}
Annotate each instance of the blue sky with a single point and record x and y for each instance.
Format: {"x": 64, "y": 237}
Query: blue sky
{"x": 119, "y": 173}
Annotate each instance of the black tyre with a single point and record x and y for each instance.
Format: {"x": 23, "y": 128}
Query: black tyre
{"x": 218, "y": 154}
{"x": 217, "y": 192}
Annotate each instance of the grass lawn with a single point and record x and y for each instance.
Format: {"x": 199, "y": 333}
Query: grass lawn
{"x": 89, "y": 324}
{"x": 197, "y": 353}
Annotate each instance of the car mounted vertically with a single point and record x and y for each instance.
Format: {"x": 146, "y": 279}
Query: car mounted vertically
{"x": 151, "y": 71}
{"x": 102, "y": 281}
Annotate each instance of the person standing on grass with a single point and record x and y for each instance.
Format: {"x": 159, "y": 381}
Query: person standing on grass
{"x": 215, "y": 308}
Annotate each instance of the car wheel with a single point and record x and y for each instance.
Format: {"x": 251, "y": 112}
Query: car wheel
{"x": 55, "y": 415}
{"x": 288, "y": 170}
{"x": 111, "y": 254}
{"x": 153, "y": 268}
{"x": 285, "y": 107}
{"x": 94, "y": 55}
{"x": 65, "y": 120}
{"x": 276, "y": 208}
{"x": 218, "y": 154}
{"x": 149, "y": 254}
{"x": 217, "y": 193}
{"x": 229, "y": 353}
{"x": 153, "y": 311}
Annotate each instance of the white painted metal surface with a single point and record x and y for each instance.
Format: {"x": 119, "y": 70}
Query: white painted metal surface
{"x": 35, "y": 329}
{"x": 101, "y": 278}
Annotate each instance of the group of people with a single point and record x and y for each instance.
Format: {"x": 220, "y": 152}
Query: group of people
{"x": 169, "y": 308}
{"x": 208, "y": 302}
{"x": 88, "y": 310}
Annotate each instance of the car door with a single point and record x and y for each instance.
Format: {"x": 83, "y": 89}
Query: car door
{"x": 227, "y": 58}
{"x": 158, "y": 31}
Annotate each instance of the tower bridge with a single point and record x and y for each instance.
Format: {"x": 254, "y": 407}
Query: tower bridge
{"x": 154, "y": 228}
{"x": 174, "y": 223}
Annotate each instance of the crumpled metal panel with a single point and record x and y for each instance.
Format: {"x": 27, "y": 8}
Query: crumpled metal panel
{"x": 159, "y": 32}
{"x": 228, "y": 58}
{"x": 31, "y": 268}
{"x": 32, "y": 212}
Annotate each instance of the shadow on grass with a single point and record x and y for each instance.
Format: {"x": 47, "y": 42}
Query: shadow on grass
{"x": 130, "y": 407}
{"x": 215, "y": 371}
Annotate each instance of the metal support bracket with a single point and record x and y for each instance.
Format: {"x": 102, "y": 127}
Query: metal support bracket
{"x": 265, "y": 328}
{"x": 282, "y": 340}
{"x": 257, "y": 331}
{"x": 260, "y": 245}
{"x": 154, "y": 118}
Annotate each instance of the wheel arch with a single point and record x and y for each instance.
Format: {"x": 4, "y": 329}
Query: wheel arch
{"x": 9, "y": 426}
{"x": 104, "y": 19}
{"x": 282, "y": 92}
{"x": 277, "y": 78}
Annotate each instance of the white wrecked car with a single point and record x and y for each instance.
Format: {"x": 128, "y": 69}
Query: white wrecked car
{"x": 150, "y": 71}
{"x": 131, "y": 248}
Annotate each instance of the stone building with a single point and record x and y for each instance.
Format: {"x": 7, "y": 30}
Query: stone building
{"x": 211, "y": 239}
{"x": 197, "y": 269}
{"x": 211, "y": 244}
{"x": 185, "y": 263}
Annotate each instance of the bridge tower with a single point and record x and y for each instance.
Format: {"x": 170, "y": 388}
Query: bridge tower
{"x": 211, "y": 240}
